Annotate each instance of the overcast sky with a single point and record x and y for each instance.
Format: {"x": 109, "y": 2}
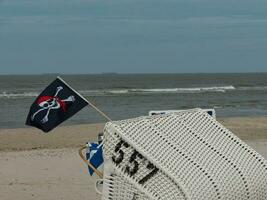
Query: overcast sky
{"x": 132, "y": 36}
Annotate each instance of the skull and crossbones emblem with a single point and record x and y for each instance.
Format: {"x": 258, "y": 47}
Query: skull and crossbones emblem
{"x": 48, "y": 103}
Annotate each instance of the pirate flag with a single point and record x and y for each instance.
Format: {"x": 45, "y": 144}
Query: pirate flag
{"x": 55, "y": 104}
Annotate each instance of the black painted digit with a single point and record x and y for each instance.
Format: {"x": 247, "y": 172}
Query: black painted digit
{"x": 132, "y": 170}
{"x": 118, "y": 157}
{"x": 132, "y": 167}
{"x": 150, "y": 175}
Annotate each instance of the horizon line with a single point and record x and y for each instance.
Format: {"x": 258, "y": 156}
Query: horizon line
{"x": 130, "y": 73}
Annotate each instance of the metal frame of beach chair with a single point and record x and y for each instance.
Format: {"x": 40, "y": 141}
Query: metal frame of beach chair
{"x": 87, "y": 162}
{"x": 210, "y": 111}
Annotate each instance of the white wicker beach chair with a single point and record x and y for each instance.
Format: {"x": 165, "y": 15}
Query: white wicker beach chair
{"x": 184, "y": 155}
{"x": 210, "y": 111}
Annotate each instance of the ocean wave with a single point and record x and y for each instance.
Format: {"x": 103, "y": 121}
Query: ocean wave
{"x": 259, "y": 88}
{"x": 142, "y": 91}
{"x": 184, "y": 90}
{"x": 159, "y": 90}
{"x": 114, "y": 92}
{"x": 14, "y": 95}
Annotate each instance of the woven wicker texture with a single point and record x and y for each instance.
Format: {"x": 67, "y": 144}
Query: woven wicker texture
{"x": 185, "y": 155}
{"x": 117, "y": 187}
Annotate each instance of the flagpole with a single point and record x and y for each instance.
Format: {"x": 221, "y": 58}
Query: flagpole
{"x": 90, "y": 104}
{"x": 85, "y": 146}
{"x": 99, "y": 111}
{"x": 100, "y": 174}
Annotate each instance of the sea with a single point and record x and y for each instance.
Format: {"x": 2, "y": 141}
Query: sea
{"x": 123, "y": 96}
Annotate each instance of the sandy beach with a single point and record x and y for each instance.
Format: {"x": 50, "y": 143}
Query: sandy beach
{"x": 47, "y": 166}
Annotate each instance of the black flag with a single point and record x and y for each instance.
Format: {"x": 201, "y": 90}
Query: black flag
{"x": 55, "y": 104}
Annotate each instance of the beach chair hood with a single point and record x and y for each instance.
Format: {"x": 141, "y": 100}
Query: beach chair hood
{"x": 185, "y": 155}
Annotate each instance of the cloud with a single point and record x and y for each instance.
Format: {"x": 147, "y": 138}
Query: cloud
{"x": 142, "y": 32}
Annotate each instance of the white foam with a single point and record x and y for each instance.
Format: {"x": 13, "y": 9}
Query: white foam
{"x": 253, "y": 88}
{"x": 184, "y": 90}
{"x": 118, "y": 91}
{"x": 105, "y": 92}
{"x": 14, "y": 95}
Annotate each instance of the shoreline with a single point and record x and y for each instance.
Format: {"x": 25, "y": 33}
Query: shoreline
{"x": 21, "y": 139}
{"x": 73, "y": 136}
